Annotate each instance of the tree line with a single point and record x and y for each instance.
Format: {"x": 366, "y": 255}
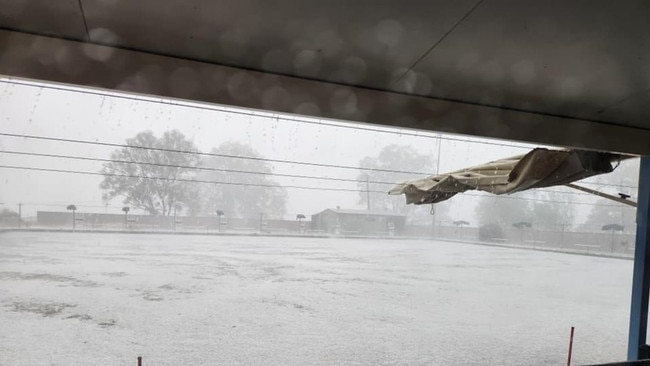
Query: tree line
{"x": 547, "y": 210}
{"x": 152, "y": 174}
{"x": 133, "y": 171}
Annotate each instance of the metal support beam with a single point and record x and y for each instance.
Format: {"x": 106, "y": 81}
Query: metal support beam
{"x": 641, "y": 274}
{"x": 601, "y": 194}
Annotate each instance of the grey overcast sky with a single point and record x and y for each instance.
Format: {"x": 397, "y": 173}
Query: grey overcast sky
{"x": 41, "y": 110}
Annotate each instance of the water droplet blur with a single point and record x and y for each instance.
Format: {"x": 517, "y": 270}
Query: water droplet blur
{"x": 97, "y": 53}
{"x": 103, "y": 36}
{"x": 277, "y": 61}
{"x": 242, "y": 86}
{"x": 307, "y": 108}
{"x": 523, "y": 72}
{"x": 388, "y": 32}
{"x": 344, "y": 102}
{"x": 570, "y": 87}
{"x": 307, "y": 63}
{"x": 275, "y": 97}
{"x": 184, "y": 81}
{"x": 234, "y": 43}
{"x": 491, "y": 72}
{"x": 351, "y": 71}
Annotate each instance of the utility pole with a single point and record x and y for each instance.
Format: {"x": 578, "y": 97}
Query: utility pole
{"x": 433, "y": 210}
{"x": 438, "y": 157}
{"x": 20, "y": 215}
{"x": 368, "y": 190}
{"x": 622, "y": 211}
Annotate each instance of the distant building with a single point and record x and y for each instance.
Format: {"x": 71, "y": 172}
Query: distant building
{"x": 109, "y": 221}
{"x": 358, "y": 222}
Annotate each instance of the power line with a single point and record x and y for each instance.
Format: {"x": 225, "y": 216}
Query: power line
{"x": 261, "y": 115}
{"x": 610, "y": 185}
{"x": 110, "y": 144}
{"x": 66, "y": 203}
{"x": 185, "y": 180}
{"x": 271, "y": 185}
{"x": 559, "y": 192}
{"x": 228, "y": 170}
{"x": 171, "y": 102}
{"x": 84, "y": 158}
{"x": 247, "y": 158}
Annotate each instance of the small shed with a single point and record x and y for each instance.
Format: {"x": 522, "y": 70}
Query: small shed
{"x": 358, "y": 222}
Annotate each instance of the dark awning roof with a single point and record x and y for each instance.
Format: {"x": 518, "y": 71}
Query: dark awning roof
{"x": 546, "y": 72}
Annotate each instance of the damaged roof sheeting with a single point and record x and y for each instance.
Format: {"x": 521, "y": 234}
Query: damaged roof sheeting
{"x": 536, "y": 169}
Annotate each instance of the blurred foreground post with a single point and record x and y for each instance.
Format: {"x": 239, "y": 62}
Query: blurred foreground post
{"x": 641, "y": 272}
{"x": 568, "y": 361}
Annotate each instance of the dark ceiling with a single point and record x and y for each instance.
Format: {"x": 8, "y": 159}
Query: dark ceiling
{"x": 585, "y": 60}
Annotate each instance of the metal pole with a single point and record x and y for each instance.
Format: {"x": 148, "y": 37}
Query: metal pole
{"x": 433, "y": 211}
{"x": 641, "y": 271}
{"x": 261, "y": 222}
{"x": 568, "y": 362}
{"x": 601, "y": 194}
{"x": 368, "y": 190}
{"x": 433, "y": 221}
{"x": 622, "y": 211}
{"x": 20, "y": 215}
{"x": 438, "y": 157}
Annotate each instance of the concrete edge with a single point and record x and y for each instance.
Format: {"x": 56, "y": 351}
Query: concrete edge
{"x": 280, "y": 235}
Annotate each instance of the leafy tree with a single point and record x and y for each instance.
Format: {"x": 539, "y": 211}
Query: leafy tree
{"x": 546, "y": 210}
{"x": 503, "y": 210}
{"x": 8, "y": 217}
{"x": 623, "y": 180}
{"x": 552, "y": 210}
{"x": 490, "y": 232}
{"x": 239, "y": 197}
{"x": 396, "y": 158}
{"x": 156, "y": 196}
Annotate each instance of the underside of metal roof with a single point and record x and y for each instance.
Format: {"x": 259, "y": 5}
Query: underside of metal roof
{"x": 568, "y": 73}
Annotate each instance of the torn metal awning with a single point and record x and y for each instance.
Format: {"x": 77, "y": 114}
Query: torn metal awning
{"x": 537, "y": 169}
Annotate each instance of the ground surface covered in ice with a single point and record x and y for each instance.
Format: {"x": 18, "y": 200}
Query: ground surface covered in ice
{"x": 103, "y": 299}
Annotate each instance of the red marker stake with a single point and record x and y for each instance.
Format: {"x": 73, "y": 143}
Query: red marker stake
{"x": 568, "y": 362}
